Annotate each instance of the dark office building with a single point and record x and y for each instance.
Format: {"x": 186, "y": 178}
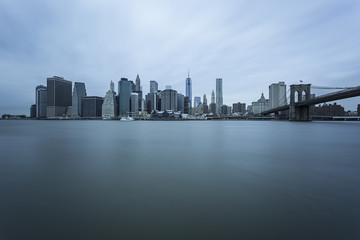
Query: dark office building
{"x": 186, "y": 105}
{"x": 180, "y": 102}
{"x": 168, "y": 100}
{"x": 33, "y": 111}
{"x": 124, "y": 90}
{"x": 40, "y": 101}
{"x": 92, "y": 107}
{"x": 358, "y": 110}
{"x": 59, "y": 96}
{"x": 151, "y": 102}
{"x": 239, "y": 108}
{"x": 212, "y": 108}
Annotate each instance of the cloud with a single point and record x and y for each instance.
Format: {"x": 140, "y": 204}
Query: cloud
{"x": 249, "y": 44}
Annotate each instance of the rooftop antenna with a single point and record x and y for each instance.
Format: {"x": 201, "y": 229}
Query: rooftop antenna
{"x": 188, "y": 73}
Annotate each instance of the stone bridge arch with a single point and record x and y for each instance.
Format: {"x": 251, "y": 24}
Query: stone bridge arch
{"x": 299, "y": 113}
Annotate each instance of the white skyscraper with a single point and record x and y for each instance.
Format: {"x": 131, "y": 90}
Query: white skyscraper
{"x": 212, "y": 96}
{"x": 277, "y": 94}
{"x": 110, "y": 107}
{"x": 219, "y": 95}
{"x": 134, "y": 103}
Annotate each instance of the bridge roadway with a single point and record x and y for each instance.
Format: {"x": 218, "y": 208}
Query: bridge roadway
{"x": 348, "y": 93}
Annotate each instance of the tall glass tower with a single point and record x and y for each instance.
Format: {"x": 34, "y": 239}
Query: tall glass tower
{"x": 219, "y": 95}
{"x": 41, "y": 101}
{"x": 188, "y": 89}
{"x": 124, "y": 89}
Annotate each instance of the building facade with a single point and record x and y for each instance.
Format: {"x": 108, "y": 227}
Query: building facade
{"x": 277, "y": 94}
{"x": 151, "y": 102}
{"x": 239, "y": 108}
{"x": 110, "y": 105}
{"x": 261, "y": 105}
{"x": 168, "y": 100}
{"x": 329, "y": 110}
{"x": 186, "y": 105}
{"x": 91, "y": 107}
{"x": 59, "y": 97}
{"x": 40, "y": 101}
{"x": 124, "y": 89}
{"x": 78, "y": 93}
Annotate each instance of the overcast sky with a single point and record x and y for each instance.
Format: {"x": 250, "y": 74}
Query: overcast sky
{"x": 250, "y": 44}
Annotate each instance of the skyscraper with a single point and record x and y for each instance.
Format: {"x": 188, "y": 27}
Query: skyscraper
{"x": 78, "y": 93}
{"x": 33, "y": 111}
{"x": 180, "y": 102}
{"x": 168, "y": 100}
{"x": 277, "y": 94}
{"x": 153, "y": 86}
{"x": 188, "y": 89}
{"x": 137, "y": 82}
{"x": 59, "y": 97}
{"x": 204, "y": 99}
{"x": 197, "y": 101}
{"x": 219, "y": 96}
{"x": 134, "y": 103}
{"x": 91, "y": 107}
{"x": 212, "y": 96}
{"x": 110, "y": 106}
{"x": 186, "y": 105}
{"x": 40, "y": 101}
{"x": 124, "y": 96}
{"x": 261, "y": 105}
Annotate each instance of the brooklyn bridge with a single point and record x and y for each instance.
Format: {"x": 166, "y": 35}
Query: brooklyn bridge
{"x": 301, "y": 101}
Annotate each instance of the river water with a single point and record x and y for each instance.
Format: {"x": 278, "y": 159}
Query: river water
{"x": 179, "y": 180}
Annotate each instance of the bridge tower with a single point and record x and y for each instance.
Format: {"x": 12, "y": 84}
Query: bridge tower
{"x": 298, "y": 93}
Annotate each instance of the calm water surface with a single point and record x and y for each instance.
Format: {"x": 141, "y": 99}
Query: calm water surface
{"x": 179, "y": 180}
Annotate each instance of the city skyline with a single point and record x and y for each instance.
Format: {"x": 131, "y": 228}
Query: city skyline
{"x": 249, "y": 45}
